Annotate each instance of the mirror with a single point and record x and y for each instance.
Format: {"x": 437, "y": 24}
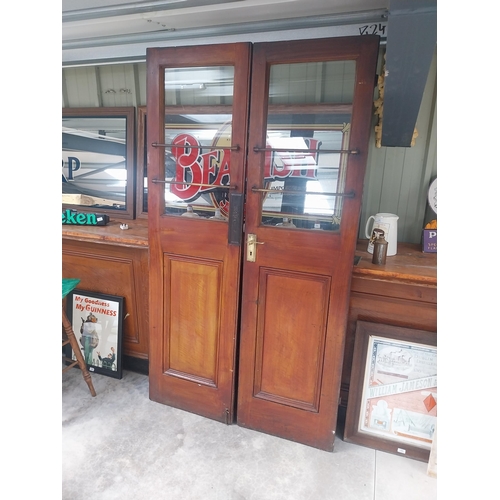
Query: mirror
{"x": 98, "y": 160}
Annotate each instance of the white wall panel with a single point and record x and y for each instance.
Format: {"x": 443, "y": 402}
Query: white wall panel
{"x": 80, "y": 87}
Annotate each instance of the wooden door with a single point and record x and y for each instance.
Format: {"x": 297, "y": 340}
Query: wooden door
{"x": 197, "y": 110}
{"x": 291, "y": 196}
{"x": 310, "y": 116}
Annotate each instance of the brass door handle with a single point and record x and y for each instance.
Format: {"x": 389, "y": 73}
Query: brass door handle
{"x": 252, "y": 247}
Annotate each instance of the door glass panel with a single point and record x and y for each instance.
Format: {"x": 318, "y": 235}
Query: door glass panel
{"x": 308, "y": 125}
{"x": 198, "y": 134}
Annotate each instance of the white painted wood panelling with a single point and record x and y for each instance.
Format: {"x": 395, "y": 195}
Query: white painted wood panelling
{"x": 119, "y": 85}
{"x": 113, "y": 85}
{"x": 80, "y": 88}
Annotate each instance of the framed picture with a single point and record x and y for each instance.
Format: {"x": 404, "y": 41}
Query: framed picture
{"x": 97, "y": 322}
{"x": 392, "y": 404}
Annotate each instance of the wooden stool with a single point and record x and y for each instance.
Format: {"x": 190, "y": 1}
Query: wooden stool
{"x": 69, "y": 338}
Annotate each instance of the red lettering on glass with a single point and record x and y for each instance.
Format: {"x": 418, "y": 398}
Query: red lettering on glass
{"x": 186, "y": 160}
{"x": 213, "y": 167}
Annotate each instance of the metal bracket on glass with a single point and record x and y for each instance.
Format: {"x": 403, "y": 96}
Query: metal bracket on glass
{"x": 184, "y": 183}
{"x": 230, "y": 148}
{"x": 309, "y": 217}
{"x": 292, "y": 150}
{"x": 350, "y": 194}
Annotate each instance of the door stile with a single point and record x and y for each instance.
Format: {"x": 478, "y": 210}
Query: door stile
{"x": 243, "y": 74}
{"x": 155, "y": 169}
{"x": 360, "y": 135}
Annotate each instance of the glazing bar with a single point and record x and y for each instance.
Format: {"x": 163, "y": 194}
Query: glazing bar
{"x": 158, "y": 181}
{"x": 284, "y": 191}
{"x": 230, "y": 148}
{"x": 291, "y": 150}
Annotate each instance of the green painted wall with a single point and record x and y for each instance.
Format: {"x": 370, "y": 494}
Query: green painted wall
{"x": 397, "y": 179}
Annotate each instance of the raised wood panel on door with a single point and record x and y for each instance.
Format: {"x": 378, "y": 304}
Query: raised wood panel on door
{"x": 114, "y": 270}
{"x": 291, "y": 332}
{"x": 192, "y": 317}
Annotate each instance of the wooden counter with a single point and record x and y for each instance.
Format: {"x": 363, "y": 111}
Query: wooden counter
{"x": 110, "y": 260}
{"x": 135, "y": 236}
{"x": 403, "y": 292}
{"x": 114, "y": 261}
{"x": 409, "y": 265}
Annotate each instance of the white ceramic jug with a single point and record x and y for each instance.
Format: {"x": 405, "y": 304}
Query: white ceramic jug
{"x": 388, "y": 225}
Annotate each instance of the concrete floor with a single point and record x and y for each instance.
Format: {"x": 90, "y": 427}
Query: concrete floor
{"x": 120, "y": 445}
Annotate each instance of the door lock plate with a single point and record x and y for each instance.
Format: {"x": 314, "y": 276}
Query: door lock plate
{"x": 252, "y": 247}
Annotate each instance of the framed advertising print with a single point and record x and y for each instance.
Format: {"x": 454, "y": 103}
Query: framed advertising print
{"x": 392, "y": 403}
{"x": 97, "y": 322}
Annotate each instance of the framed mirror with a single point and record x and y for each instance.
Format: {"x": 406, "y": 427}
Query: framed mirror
{"x": 98, "y": 160}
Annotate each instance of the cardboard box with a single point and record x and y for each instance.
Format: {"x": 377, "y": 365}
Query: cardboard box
{"x": 429, "y": 241}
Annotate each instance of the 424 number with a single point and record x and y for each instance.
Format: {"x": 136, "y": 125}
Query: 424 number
{"x": 372, "y": 29}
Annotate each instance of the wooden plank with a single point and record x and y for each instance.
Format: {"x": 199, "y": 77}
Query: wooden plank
{"x": 432, "y": 465}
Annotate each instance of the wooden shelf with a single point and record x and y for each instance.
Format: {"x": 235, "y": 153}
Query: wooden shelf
{"x": 135, "y": 236}
{"x": 409, "y": 265}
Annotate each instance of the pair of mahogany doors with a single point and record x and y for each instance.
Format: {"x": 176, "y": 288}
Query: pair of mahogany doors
{"x": 256, "y": 156}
